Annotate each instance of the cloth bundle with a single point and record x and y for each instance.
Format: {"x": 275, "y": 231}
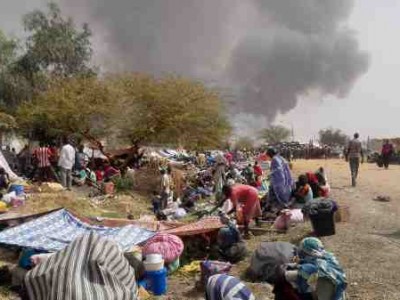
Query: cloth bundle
{"x": 168, "y": 245}
{"x": 287, "y": 218}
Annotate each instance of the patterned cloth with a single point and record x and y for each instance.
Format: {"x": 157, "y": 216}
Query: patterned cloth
{"x": 91, "y": 267}
{"x": 42, "y": 155}
{"x": 281, "y": 180}
{"x": 317, "y": 263}
{"x": 54, "y": 231}
{"x": 168, "y": 245}
{"x": 225, "y": 287}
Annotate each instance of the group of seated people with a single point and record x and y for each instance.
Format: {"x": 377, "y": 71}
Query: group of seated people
{"x": 95, "y": 173}
{"x": 311, "y": 185}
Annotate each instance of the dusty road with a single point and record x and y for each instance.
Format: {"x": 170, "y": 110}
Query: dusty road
{"x": 369, "y": 245}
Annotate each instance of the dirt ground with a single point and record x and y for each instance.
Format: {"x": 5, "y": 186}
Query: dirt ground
{"x": 367, "y": 246}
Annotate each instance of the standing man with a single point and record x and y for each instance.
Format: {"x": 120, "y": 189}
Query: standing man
{"x": 387, "y": 152}
{"x": 354, "y": 154}
{"x": 66, "y": 163}
{"x": 165, "y": 188}
{"x": 42, "y": 156}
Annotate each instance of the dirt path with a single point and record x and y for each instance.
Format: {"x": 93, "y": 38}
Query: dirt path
{"x": 369, "y": 245}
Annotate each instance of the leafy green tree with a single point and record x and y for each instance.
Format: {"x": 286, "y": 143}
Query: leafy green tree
{"x": 54, "y": 48}
{"x": 332, "y": 137}
{"x": 275, "y": 134}
{"x": 82, "y": 106}
{"x": 136, "y": 108}
{"x": 171, "y": 110}
{"x": 55, "y": 45}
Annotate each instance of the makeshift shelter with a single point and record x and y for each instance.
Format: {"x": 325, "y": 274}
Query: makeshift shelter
{"x": 54, "y": 231}
{"x": 91, "y": 267}
{"x": 4, "y": 164}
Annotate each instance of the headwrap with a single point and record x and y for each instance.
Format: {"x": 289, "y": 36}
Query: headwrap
{"x": 317, "y": 263}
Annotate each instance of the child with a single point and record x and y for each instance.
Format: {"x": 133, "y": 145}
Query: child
{"x": 303, "y": 191}
{"x": 156, "y": 201}
{"x": 4, "y": 179}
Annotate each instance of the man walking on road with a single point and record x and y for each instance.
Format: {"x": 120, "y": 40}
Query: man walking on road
{"x": 66, "y": 163}
{"x": 354, "y": 155}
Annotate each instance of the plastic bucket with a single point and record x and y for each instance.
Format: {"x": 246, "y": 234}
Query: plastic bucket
{"x": 156, "y": 281}
{"x": 18, "y": 189}
{"x": 323, "y": 224}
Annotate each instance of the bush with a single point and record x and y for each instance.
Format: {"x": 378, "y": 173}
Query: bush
{"x": 123, "y": 184}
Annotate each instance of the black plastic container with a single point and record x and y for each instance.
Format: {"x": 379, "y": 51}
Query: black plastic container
{"x": 323, "y": 224}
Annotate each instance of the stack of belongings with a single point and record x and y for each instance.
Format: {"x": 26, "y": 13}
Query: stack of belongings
{"x": 267, "y": 259}
{"x": 91, "y": 267}
{"x": 169, "y": 246}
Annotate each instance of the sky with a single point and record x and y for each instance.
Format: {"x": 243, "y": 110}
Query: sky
{"x": 371, "y": 107}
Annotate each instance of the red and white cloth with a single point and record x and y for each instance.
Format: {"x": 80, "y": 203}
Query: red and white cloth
{"x": 42, "y": 155}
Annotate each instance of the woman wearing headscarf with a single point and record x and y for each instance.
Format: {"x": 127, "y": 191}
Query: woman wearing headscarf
{"x": 281, "y": 182}
{"x": 318, "y": 272}
{"x": 225, "y": 287}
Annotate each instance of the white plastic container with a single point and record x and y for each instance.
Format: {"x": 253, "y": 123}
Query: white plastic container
{"x": 153, "y": 262}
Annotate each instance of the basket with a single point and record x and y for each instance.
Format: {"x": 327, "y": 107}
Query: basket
{"x": 342, "y": 214}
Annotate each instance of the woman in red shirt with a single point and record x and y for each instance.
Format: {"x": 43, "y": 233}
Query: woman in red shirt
{"x": 246, "y": 197}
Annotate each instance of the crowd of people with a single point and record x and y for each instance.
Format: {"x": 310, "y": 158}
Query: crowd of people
{"x": 69, "y": 165}
{"x": 249, "y": 186}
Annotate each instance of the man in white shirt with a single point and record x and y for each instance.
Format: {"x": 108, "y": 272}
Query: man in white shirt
{"x": 165, "y": 188}
{"x": 66, "y": 163}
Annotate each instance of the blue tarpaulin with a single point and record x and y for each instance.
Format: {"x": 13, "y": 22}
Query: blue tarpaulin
{"x": 56, "y": 230}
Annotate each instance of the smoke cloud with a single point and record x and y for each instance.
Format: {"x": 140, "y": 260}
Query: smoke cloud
{"x": 266, "y": 53}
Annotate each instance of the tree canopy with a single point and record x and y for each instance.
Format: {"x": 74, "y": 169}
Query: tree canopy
{"x": 332, "y": 137}
{"x": 54, "y": 47}
{"x": 171, "y": 110}
{"x": 244, "y": 143}
{"x": 136, "y": 108}
{"x": 275, "y": 134}
{"x": 53, "y": 91}
{"x": 79, "y": 105}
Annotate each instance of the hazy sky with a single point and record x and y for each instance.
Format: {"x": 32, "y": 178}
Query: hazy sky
{"x": 372, "y": 107}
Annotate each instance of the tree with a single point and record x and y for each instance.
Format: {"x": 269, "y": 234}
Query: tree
{"x": 275, "y": 134}
{"x": 136, "y": 108}
{"x": 55, "y": 45}
{"x": 244, "y": 143}
{"x": 8, "y": 49}
{"x": 82, "y": 106}
{"x": 332, "y": 137}
{"x": 171, "y": 110}
{"x": 54, "y": 48}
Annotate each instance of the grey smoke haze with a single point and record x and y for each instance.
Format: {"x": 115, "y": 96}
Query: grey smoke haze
{"x": 267, "y": 53}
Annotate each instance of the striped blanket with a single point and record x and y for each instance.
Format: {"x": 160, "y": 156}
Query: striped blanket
{"x": 91, "y": 267}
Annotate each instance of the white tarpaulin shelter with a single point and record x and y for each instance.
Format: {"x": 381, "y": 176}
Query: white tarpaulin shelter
{"x": 4, "y": 164}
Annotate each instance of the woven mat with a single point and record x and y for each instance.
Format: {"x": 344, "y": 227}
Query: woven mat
{"x": 204, "y": 225}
